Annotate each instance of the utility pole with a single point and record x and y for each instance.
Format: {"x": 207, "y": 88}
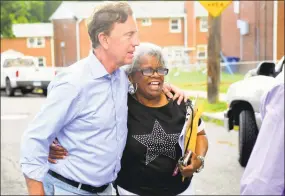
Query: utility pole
{"x": 213, "y": 62}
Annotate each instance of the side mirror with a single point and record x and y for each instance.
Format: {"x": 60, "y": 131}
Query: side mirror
{"x": 266, "y": 69}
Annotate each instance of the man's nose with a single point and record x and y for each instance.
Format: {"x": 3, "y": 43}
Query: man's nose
{"x": 136, "y": 40}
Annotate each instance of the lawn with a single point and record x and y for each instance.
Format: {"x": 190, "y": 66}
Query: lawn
{"x": 212, "y": 108}
{"x": 198, "y": 80}
{"x": 217, "y": 107}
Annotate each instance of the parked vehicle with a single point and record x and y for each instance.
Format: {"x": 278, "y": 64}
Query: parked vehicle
{"x": 23, "y": 73}
{"x": 244, "y": 99}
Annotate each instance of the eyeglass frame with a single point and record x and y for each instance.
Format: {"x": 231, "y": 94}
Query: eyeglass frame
{"x": 153, "y": 70}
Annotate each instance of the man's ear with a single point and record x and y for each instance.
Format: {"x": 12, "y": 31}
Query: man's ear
{"x": 103, "y": 39}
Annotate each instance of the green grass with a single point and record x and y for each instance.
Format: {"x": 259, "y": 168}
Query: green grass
{"x": 198, "y": 80}
{"x": 212, "y": 108}
{"x": 215, "y": 121}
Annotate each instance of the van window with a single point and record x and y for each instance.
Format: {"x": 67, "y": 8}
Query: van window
{"x": 19, "y": 63}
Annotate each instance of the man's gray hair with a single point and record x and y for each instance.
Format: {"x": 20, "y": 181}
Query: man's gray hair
{"x": 104, "y": 17}
{"x": 146, "y": 49}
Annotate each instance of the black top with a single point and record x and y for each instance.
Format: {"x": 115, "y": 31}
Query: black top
{"x": 152, "y": 150}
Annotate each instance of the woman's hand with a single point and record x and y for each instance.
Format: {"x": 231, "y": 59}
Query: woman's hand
{"x": 178, "y": 93}
{"x": 189, "y": 170}
{"x": 56, "y": 152}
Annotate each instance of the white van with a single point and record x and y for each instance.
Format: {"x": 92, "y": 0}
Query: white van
{"x": 23, "y": 73}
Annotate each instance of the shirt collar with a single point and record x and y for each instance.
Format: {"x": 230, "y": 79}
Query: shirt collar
{"x": 97, "y": 69}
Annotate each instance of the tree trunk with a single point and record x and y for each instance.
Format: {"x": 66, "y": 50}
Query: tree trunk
{"x": 213, "y": 62}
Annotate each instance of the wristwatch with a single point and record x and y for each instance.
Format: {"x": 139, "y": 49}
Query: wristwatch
{"x": 202, "y": 166}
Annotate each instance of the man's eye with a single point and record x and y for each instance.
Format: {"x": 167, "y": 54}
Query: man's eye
{"x": 130, "y": 34}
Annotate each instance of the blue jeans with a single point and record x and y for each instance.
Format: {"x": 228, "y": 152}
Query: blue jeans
{"x": 53, "y": 186}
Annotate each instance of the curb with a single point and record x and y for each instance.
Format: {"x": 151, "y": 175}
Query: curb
{"x": 214, "y": 116}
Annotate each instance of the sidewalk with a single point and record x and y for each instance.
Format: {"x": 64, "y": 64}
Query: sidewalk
{"x": 203, "y": 94}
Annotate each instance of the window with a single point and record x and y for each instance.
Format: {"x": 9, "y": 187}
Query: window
{"x": 178, "y": 53}
{"x": 42, "y": 61}
{"x": 201, "y": 51}
{"x": 36, "y": 42}
{"x": 19, "y": 62}
{"x": 175, "y": 25}
{"x": 203, "y": 24}
{"x": 146, "y": 22}
{"x": 236, "y": 7}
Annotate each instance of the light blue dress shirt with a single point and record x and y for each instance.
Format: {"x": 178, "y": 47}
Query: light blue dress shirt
{"x": 86, "y": 109}
{"x": 264, "y": 173}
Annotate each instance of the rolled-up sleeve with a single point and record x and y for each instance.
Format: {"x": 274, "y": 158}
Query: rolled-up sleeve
{"x": 61, "y": 106}
{"x": 264, "y": 173}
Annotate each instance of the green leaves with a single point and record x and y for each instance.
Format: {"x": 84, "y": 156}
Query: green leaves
{"x": 15, "y": 12}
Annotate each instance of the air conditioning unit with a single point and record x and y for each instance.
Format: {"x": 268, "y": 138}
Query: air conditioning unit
{"x": 243, "y": 26}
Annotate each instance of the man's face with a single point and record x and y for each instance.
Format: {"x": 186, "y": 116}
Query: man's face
{"x": 122, "y": 41}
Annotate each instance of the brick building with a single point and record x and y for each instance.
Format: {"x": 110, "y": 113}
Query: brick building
{"x": 164, "y": 27}
{"x": 265, "y": 37}
{"x": 32, "y": 40}
{"x": 180, "y": 27}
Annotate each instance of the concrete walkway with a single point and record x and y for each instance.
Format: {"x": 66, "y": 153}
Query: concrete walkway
{"x": 216, "y": 116}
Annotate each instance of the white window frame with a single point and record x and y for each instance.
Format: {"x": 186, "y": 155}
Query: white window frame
{"x": 202, "y": 21}
{"x": 236, "y": 7}
{"x": 205, "y": 49}
{"x": 44, "y": 61}
{"x": 146, "y": 22}
{"x": 178, "y": 30}
{"x": 35, "y": 44}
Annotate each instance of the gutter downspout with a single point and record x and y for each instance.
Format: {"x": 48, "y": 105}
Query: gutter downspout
{"x": 185, "y": 32}
{"x": 52, "y": 47}
{"x": 275, "y": 18}
{"x": 77, "y": 39}
{"x": 194, "y": 37}
{"x": 185, "y": 51}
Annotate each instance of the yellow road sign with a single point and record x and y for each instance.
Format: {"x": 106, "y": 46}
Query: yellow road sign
{"x": 215, "y": 8}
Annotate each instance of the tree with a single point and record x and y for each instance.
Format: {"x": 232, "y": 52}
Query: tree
{"x": 213, "y": 64}
{"x": 12, "y": 12}
{"x": 15, "y": 12}
{"x": 49, "y": 9}
{"x": 36, "y": 11}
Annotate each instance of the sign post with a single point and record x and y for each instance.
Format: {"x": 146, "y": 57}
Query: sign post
{"x": 215, "y": 9}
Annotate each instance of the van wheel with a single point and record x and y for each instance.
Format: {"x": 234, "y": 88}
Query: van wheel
{"x": 9, "y": 90}
{"x": 247, "y": 135}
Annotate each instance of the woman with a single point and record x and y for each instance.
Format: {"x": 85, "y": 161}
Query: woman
{"x": 155, "y": 127}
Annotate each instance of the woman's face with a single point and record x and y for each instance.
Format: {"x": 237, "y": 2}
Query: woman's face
{"x": 149, "y": 82}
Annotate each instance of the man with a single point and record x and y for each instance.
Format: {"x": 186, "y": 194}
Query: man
{"x": 264, "y": 173}
{"x": 86, "y": 109}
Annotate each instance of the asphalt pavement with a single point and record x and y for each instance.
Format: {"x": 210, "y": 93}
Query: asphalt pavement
{"x": 221, "y": 175}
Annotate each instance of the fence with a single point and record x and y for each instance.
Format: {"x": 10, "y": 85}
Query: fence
{"x": 231, "y": 67}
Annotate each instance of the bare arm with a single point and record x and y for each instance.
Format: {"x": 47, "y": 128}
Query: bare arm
{"x": 34, "y": 187}
{"x": 202, "y": 144}
{"x": 201, "y": 149}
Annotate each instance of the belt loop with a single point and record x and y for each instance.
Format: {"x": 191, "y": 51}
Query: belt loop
{"x": 79, "y": 186}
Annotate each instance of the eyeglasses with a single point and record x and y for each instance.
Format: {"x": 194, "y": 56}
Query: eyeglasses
{"x": 149, "y": 71}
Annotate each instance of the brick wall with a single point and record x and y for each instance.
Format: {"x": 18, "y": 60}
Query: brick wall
{"x": 20, "y": 45}
{"x": 159, "y": 33}
{"x": 280, "y": 30}
{"x": 85, "y": 43}
{"x": 64, "y": 31}
{"x": 258, "y": 43}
